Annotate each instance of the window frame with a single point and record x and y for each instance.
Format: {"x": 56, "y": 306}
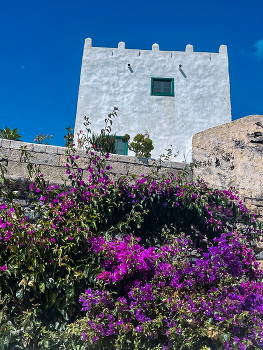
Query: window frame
{"x": 162, "y": 93}
{"x": 126, "y": 146}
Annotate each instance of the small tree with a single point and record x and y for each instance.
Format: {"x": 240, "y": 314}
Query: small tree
{"x": 141, "y": 145}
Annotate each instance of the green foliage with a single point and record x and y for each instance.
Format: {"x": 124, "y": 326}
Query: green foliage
{"x": 104, "y": 142}
{"x": 141, "y": 145}
{"x": 10, "y": 134}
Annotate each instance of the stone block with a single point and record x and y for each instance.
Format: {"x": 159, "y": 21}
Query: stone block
{"x": 39, "y": 148}
{"x": 119, "y": 168}
{"x": 166, "y": 164}
{"x": 138, "y": 170}
{"x": 61, "y": 150}
{"x": 174, "y": 172}
{"x": 113, "y": 158}
{"x": 12, "y": 155}
{"x": 63, "y": 160}
{"x": 53, "y": 174}
{"x": 82, "y": 153}
{"x": 51, "y": 149}
{"x": 46, "y": 159}
{"x": 260, "y": 267}
{"x": 83, "y": 163}
{"x": 17, "y": 170}
{"x": 18, "y": 144}
{"x": 6, "y": 143}
{"x": 178, "y": 165}
{"x": 127, "y": 159}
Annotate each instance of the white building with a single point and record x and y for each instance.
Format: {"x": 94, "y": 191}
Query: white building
{"x": 171, "y": 94}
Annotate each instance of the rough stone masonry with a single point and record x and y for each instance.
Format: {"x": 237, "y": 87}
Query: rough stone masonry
{"x": 235, "y": 152}
{"x": 52, "y": 161}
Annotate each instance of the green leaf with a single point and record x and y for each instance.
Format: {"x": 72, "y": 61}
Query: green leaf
{"x": 42, "y": 287}
{"x": 52, "y": 297}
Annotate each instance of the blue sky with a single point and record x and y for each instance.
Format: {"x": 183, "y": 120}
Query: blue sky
{"x": 42, "y": 41}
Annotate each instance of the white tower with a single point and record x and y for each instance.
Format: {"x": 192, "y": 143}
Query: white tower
{"x": 172, "y": 94}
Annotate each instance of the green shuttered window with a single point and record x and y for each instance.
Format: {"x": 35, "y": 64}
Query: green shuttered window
{"x": 162, "y": 86}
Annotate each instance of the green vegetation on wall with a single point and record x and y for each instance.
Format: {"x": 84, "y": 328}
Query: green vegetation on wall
{"x": 10, "y": 134}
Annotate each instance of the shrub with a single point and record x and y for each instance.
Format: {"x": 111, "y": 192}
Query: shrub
{"x": 10, "y": 134}
{"x": 154, "y": 263}
{"x": 43, "y": 139}
{"x": 141, "y": 145}
{"x": 104, "y": 143}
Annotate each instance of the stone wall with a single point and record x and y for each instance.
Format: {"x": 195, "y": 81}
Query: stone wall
{"x": 52, "y": 161}
{"x": 235, "y": 152}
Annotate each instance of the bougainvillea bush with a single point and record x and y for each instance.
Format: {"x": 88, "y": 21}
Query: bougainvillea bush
{"x": 153, "y": 262}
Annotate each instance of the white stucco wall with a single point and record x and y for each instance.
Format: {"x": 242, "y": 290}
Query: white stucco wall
{"x": 201, "y": 93}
